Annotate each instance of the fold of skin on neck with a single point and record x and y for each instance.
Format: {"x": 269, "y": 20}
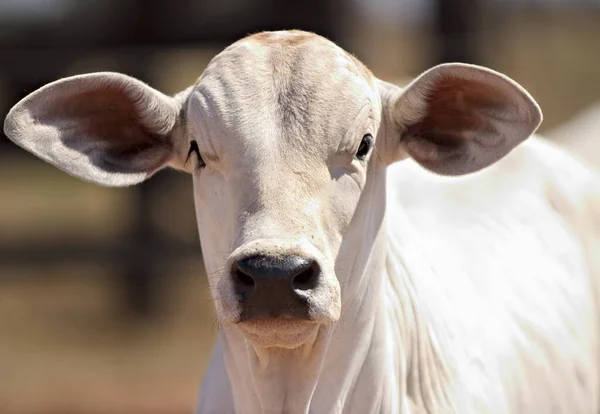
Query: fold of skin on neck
{"x": 359, "y": 365}
{"x": 350, "y": 367}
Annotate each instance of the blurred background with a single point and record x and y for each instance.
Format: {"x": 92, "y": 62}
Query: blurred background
{"x": 104, "y": 307}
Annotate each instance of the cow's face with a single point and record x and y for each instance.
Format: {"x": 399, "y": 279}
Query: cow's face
{"x": 280, "y": 146}
{"x": 286, "y": 136}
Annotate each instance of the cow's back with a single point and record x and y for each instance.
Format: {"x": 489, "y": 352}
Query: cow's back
{"x": 501, "y": 263}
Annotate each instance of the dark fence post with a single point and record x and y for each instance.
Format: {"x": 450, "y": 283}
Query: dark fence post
{"x": 140, "y": 278}
{"x": 455, "y": 26}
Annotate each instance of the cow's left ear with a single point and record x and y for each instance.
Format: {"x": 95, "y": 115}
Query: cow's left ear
{"x": 456, "y": 118}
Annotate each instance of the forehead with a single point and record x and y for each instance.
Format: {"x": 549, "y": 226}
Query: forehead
{"x": 283, "y": 86}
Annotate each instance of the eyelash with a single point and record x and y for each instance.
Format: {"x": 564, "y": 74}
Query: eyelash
{"x": 194, "y": 149}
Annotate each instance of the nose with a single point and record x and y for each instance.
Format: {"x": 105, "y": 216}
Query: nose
{"x": 274, "y": 286}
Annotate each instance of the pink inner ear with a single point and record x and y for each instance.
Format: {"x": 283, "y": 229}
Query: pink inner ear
{"x": 106, "y": 117}
{"x": 457, "y": 106}
{"x": 104, "y": 124}
{"x": 469, "y": 123}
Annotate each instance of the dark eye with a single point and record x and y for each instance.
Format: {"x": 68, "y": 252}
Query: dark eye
{"x": 194, "y": 150}
{"x": 365, "y": 147}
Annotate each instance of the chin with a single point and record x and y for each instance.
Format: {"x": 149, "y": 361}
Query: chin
{"x": 282, "y": 333}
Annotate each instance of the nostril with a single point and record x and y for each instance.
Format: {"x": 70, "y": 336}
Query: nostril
{"x": 261, "y": 274}
{"x": 307, "y": 279}
{"x": 243, "y": 283}
{"x": 243, "y": 278}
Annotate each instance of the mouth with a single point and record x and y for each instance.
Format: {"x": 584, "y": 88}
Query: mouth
{"x": 285, "y": 333}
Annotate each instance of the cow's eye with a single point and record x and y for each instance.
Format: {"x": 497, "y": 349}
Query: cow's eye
{"x": 195, "y": 151}
{"x": 365, "y": 146}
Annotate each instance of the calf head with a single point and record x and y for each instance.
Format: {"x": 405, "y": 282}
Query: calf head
{"x": 287, "y": 138}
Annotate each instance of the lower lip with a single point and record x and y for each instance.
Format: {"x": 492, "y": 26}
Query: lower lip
{"x": 280, "y": 332}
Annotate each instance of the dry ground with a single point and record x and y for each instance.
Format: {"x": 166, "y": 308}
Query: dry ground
{"x": 63, "y": 349}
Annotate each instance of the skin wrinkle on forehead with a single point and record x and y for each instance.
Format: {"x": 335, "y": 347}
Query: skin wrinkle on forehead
{"x": 298, "y": 100}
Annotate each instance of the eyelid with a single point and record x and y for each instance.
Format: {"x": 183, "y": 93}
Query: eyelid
{"x": 195, "y": 149}
{"x": 369, "y": 150}
{"x": 347, "y": 145}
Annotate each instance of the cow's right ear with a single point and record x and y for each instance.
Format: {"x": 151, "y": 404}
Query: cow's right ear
{"x": 106, "y": 128}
